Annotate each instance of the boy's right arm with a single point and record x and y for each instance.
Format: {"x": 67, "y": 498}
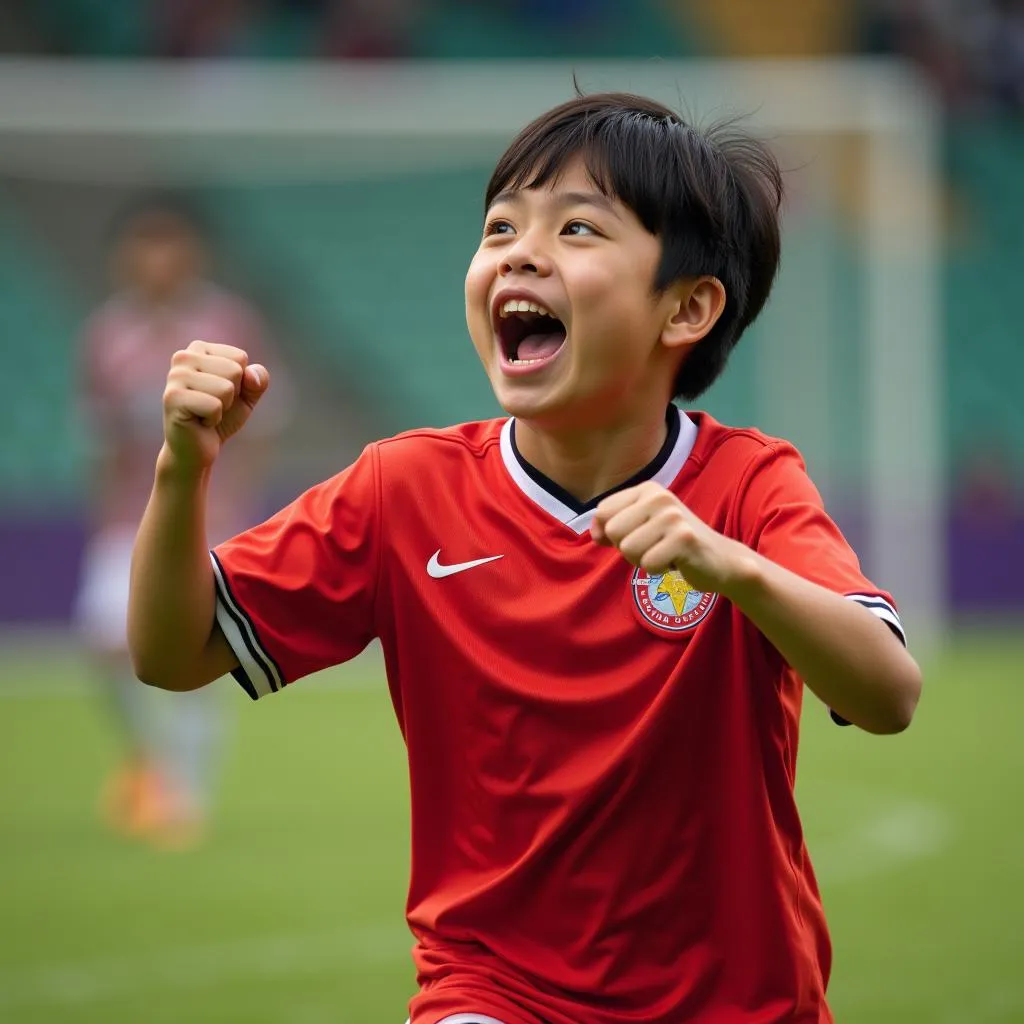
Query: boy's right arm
{"x": 173, "y": 637}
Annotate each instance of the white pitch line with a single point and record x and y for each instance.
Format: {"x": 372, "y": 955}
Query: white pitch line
{"x": 51, "y": 688}
{"x": 1003, "y": 1004}
{"x": 904, "y": 831}
{"x": 70, "y": 674}
{"x": 200, "y": 966}
{"x": 79, "y": 687}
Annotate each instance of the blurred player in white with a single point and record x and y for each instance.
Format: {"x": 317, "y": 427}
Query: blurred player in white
{"x": 163, "y": 301}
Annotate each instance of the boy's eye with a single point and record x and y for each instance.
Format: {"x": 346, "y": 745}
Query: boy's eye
{"x": 497, "y": 227}
{"x": 578, "y": 227}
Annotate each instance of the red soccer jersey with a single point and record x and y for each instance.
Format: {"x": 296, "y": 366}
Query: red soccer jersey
{"x": 602, "y": 762}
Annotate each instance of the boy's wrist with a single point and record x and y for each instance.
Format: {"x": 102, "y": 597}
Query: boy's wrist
{"x": 746, "y": 580}
{"x": 172, "y": 471}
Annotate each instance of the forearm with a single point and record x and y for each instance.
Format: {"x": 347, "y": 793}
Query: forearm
{"x": 172, "y": 605}
{"x": 847, "y": 656}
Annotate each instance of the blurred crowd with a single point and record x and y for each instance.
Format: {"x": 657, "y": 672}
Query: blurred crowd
{"x": 323, "y": 29}
{"x": 973, "y": 49}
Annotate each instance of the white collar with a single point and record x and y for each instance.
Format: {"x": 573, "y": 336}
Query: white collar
{"x": 663, "y": 469}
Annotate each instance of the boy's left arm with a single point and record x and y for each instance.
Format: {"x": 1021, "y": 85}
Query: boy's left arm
{"x": 844, "y": 653}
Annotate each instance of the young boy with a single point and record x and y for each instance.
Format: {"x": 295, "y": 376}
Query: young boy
{"x": 597, "y": 615}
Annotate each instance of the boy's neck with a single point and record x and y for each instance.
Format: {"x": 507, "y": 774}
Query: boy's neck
{"x": 590, "y": 462}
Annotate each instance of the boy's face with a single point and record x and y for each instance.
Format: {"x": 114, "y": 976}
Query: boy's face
{"x": 587, "y": 262}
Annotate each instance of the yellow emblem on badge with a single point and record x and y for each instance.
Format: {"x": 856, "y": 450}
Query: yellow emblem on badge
{"x": 678, "y": 589}
{"x": 669, "y": 600}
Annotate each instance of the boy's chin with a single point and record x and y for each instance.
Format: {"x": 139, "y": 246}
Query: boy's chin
{"x": 523, "y": 403}
{"x": 538, "y": 404}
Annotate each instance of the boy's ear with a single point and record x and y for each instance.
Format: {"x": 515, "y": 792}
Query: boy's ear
{"x": 697, "y": 304}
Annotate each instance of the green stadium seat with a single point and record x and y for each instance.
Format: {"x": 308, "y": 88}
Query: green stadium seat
{"x": 981, "y": 288}
{"x": 39, "y": 321}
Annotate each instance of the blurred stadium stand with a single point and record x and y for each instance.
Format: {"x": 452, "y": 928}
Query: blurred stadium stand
{"x": 328, "y": 244}
{"x": 38, "y": 324}
{"x": 283, "y": 234}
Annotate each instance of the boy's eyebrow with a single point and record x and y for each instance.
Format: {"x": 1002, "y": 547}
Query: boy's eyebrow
{"x": 563, "y": 199}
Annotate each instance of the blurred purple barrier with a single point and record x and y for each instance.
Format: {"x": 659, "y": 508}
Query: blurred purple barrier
{"x": 40, "y": 558}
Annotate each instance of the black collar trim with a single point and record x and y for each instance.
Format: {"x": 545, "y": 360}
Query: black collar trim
{"x": 554, "y": 499}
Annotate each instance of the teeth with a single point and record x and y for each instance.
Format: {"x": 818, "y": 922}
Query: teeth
{"x": 522, "y": 306}
{"x": 524, "y": 362}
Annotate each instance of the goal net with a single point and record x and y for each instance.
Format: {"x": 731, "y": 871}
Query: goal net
{"x": 351, "y": 196}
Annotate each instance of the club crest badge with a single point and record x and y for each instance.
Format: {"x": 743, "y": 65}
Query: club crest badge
{"x": 669, "y": 602}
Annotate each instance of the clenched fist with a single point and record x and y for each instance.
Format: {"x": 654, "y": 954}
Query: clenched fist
{"x": 656, "y": 531}
{"x": 211, "y": 392}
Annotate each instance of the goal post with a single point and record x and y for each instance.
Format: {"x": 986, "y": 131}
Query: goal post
{"x": 856, "y": 384}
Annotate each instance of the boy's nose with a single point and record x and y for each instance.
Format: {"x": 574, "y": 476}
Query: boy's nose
{"x": 523, "y": 258}
{"x": 509, "y": 266}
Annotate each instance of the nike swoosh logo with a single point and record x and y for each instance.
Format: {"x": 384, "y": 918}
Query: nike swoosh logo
{"x": 439, "y": 571}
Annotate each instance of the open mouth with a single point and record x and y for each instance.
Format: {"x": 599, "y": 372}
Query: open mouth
{"x": 529, "y": 333}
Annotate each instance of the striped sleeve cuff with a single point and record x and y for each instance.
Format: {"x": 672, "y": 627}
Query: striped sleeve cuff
{"x": 257, "y": 672}
{"x": 888, "y": 614}
{"x": 885, "y": 611}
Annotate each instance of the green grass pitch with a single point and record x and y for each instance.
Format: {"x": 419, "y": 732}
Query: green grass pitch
{"x": 292, "y": 912}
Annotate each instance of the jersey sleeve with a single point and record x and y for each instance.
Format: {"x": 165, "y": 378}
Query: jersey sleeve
{"x": 783, "y": 517}
{"x": 297, "y": 594}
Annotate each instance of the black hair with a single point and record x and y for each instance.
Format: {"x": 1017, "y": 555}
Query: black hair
{"x": 710, "y": 195}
